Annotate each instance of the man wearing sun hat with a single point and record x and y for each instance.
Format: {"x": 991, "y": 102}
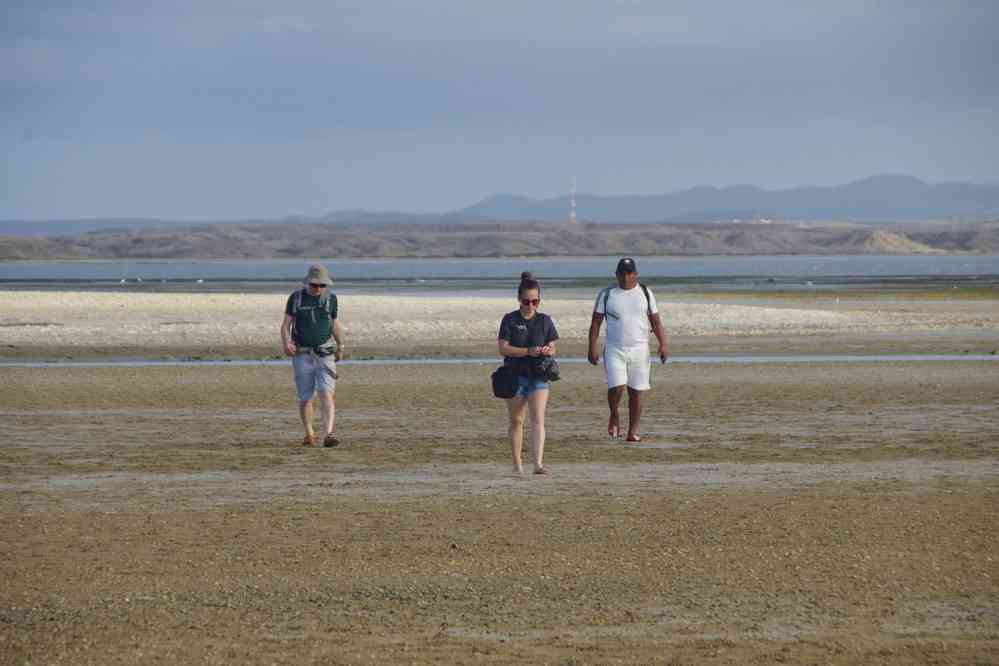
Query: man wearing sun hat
{"x": 631, "y": 312}
{"x": 312, "y": 336}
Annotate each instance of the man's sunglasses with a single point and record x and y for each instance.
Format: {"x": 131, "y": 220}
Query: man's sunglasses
{"x": 313, "y": 285}
{"x": 530, "y": 301}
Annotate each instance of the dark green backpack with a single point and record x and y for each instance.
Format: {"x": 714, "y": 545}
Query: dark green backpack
{"x": 325, "y": 304}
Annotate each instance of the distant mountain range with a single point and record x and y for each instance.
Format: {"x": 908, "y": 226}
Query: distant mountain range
{"x": 883, "y": 198}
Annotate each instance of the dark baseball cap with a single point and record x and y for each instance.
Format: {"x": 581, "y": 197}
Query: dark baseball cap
{"x": 626, "y": 265}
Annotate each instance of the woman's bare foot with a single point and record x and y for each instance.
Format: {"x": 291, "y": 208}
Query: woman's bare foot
{"x": 542, "y": 470}
{"x": 634, "y": 438}
{"x": 518, "y": 470}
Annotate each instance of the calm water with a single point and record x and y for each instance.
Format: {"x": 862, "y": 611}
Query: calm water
{"x": 723, "y": 269}
{"x": 711, "y": 360}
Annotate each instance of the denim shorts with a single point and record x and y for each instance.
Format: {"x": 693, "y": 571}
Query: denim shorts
{"x": 313, "y": 373}
{"x": 528, "y": 385}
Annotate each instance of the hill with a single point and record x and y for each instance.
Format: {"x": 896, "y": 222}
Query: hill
{"x": 286, "y": 240}
{"x": 878, "y": 198}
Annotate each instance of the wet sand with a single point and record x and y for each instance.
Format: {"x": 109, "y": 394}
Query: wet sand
{"x": 795, "y": 513}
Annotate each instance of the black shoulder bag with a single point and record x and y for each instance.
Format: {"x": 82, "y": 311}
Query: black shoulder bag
{"x": 505, "y": 382}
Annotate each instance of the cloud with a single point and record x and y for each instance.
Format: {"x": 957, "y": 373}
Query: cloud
{"x": 515, "y": 80}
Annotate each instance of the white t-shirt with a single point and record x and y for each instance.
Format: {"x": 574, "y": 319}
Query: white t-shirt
{"x": 627, "y": 316}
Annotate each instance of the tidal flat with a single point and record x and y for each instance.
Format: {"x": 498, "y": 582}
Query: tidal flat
{"x": 797, "y": 513}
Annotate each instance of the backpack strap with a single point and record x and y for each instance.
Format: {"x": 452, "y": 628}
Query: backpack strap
{"x": 606, "y": 295}
{"x": 296, "y": 305}
{"x": 645, "y": 290}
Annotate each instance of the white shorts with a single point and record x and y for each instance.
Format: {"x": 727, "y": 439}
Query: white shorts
{"x": 628, "y": 365}
{"x": 313, "y": 373}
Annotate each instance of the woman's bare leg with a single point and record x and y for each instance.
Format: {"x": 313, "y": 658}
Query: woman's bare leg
{"x": 516, "y": 406}
{"x": 538, "y": 402}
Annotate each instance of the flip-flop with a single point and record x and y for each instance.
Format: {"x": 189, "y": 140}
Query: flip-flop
{"x": 634, "y": 439}
{"x": 310, "y": 440}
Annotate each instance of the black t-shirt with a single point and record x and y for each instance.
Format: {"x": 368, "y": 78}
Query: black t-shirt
{"x": 537, "y": 331}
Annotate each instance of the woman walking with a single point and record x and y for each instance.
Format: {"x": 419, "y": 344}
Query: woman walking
{"x": 526, "y": 335}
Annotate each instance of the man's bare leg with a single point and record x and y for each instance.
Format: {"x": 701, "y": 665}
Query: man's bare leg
{"x": 634, "y": 414}
{"x": 613, "y": 402}
{"x": 326, "y": 399}
{"x": 516, "y": 407}
{"x": 307, "y": 411}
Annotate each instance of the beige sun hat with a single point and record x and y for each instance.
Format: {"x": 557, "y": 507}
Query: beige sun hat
{"x": 317, "y": 275}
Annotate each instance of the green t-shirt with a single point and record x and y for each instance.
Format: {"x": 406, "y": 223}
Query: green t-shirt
{"x": 313, "y": 325}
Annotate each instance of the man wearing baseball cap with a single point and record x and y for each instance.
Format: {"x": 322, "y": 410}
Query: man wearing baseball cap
{"x": 631, "y": 312}
{"x": 308, "y": 332}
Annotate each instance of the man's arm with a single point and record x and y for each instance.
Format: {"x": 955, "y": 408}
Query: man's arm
{"x": 592, "y": 355}
{"x": 286, "y": 342}
{"x": 660, "y": 332}
{"x": 338, "y": 336}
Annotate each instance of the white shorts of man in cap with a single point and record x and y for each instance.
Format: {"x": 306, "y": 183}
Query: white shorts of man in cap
{"x": 631, "y": 312}
{"x": 308, "y": 333}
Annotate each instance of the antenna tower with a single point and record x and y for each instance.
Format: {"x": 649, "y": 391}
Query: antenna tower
{"x": 572, "y": 203}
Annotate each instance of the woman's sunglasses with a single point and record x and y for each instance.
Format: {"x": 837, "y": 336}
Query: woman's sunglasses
{"x": 530, "y": 301}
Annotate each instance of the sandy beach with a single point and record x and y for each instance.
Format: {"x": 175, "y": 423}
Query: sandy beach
{"x": 62, "y": 325}
{"x": 776, "y": 512}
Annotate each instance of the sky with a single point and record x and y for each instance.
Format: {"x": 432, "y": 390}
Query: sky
{"x": 214, "y": 110}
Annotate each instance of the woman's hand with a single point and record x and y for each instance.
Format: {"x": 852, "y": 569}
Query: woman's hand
{"x": 547, "y": 350}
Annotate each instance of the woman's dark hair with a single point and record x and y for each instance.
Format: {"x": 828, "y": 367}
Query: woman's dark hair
{"x": 527, "y": 281}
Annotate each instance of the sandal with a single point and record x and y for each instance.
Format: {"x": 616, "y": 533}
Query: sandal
{"x": 634, "y": 439}
{"x": 310, "y": 440}
{"x": 331, "y": 441}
